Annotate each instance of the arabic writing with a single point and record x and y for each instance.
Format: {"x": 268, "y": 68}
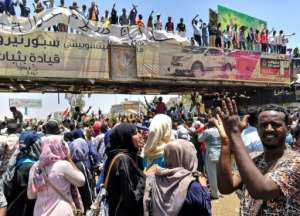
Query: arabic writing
{"x": 19, "y": 57}
{"x": 85, "y": 45}
{"x": 34, "y": 42}
{"x": 270, "y": 63}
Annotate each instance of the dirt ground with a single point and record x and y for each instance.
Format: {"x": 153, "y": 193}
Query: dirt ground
{"x": 228, "y": 205}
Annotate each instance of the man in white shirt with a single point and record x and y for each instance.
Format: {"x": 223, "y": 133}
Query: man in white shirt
{"x": 285, "y": 41}
{"x": 197, "y": 30}
{"x": 282, "y": 41}
{"x": 278, "y": 41}
{"x": 272, "y": 41}
{"x": 158, "y": 23}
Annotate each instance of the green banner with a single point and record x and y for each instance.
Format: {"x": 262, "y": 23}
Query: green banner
{"x": 227, "y": 16}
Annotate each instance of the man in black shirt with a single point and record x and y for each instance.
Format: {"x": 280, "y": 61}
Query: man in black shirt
{"x": 25, "y": 11}
{"x": 181, "y": 28}
{"x": 113, "y": 15}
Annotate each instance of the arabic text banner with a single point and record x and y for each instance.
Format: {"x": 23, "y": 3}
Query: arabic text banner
{"x": 227, "y": 16}
{"x": 209, "y": 63}
{"x": 57, "y": 55}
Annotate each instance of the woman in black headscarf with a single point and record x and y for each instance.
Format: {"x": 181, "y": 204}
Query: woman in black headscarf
{"x": 126, "y": 179}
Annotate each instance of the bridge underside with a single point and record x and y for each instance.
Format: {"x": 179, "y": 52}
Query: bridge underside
{"x": 139, "y": 86}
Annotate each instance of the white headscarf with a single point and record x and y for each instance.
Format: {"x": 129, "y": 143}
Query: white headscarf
{"x": 160, "y": 133}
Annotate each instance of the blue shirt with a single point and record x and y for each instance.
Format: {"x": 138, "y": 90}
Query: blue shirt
{"x": 252, "y": 140}
{"x": 159, "y": 161}
{"x": 197, "y": 201}
{"x": 213, "y": 143}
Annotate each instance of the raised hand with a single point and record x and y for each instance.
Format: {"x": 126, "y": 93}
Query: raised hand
{"x": 219, "y": 125}
{"x": 231, "y": 120}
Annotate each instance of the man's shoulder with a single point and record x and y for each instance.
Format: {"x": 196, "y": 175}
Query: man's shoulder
{"x": 293, "y": 156}
{"x": 289, "y": 162}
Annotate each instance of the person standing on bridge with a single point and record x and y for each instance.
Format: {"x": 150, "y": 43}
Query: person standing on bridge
{"x": 123, "y": 19}
{"x": 93, "y": 12}
{"x": 158, "y": 24}
{"x": 181, "y": 28}
{"x": 114, "y": 16}
{"x": 132, "y": 15}
{"x": 169, "y": 27}
{"x": 197, "y": 30}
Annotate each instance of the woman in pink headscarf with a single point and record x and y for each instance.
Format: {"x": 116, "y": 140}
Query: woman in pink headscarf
{"x": 53, "y": 179}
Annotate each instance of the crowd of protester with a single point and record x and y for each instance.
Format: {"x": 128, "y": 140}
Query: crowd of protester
{"x": 232, "y": 37}
{"x": 156, "y": 164}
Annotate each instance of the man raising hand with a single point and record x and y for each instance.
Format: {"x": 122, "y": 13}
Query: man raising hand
{"x": 270, "y": 182}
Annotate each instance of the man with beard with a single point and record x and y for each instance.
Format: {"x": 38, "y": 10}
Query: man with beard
{"x": 270, "y": 182}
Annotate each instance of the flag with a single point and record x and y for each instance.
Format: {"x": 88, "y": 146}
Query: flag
{"x": 66, "y": 113}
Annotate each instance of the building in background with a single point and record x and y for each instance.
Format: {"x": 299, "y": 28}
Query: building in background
{"x": 128, "y": 107}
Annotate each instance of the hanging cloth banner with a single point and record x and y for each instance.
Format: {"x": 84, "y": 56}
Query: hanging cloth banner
{"x": 79, "y": 24}
{"x": 53, "y": 55}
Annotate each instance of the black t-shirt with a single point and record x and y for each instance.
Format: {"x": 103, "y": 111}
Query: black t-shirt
{"x": 218, "y": 33}
{"x": 25, "y": 11}
{"x": 114, "y": 17}
{"x": 181, "y": 27}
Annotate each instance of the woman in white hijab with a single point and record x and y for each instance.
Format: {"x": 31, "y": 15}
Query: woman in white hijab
{"x": 178, "y": 189}
{"x": 160, "y": 133}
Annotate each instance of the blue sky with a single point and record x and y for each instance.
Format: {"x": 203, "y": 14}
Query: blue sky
{"x": 279, "y": 15}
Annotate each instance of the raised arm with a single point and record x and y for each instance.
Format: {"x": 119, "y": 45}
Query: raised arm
{"x": 228, "y": 182}
{"x": 90, "y": 107}
{"x": 193, "y": 20}
{"x": 258, "y": 185}
{"x": 288, "y": 35}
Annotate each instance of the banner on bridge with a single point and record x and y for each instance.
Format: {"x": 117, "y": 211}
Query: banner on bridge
{"x": 77, "y": 23}
{"x": 53, "y": 55}
{"x": 210, "y": 63}
{"x": 227, "y": 16}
